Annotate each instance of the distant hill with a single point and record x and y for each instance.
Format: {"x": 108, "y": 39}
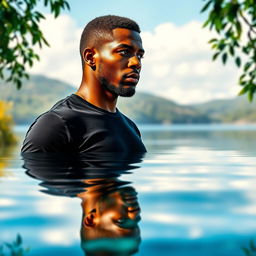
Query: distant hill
{"x": 237, "y": 110}
{"x": 40, "y": 93}
{"x": 36, "y": 96}
{"x": 147, "y": 108}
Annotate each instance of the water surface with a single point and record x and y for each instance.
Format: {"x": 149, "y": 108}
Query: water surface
{"x": 195, "y": 190}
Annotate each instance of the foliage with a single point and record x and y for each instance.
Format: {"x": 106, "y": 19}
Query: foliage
{"x": 235, "y": 24}
{"x": 6, "y": 135}
{"x": 19, "y": 33}
{"x": 15, "y": 248}
{"x": 251, "y": 251}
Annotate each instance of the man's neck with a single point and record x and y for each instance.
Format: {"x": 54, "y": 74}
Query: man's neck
{"x": 98, "y": 98}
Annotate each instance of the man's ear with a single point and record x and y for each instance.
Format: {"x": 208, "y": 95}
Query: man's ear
{"x": 89, "y": 57}
{"x": 89, "y": 219}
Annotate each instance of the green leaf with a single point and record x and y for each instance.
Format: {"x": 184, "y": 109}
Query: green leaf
{"x": 246, "y": 251}
{"x": 212, "y": 40}
{"x": 238, "y": 61}
{"x": 18, "y": 84}
{"x": 231, "y": 50}
{"x": 222, "y": 45}
{"x": 206, "y": 6}
{"x": 247, "y": 66}
{"x": 206, "y": 23}
{"x": 215, "y": 56}
{"x": 19, "y": 240}
{"x": 250, "y": 95}
{"x": 243, "y": 91}
{"x": 9, "y": 245}
{"x": 224, "y": 58}
{"x": 218, "y": 25}
{"x": 40, "y": 15}
{"x": 5, "y": 4}
{"x": 239, "y": 29}
{"x": 241, "y": 78}
{"x": 66, "y": 4}
{"x": 252, "y": 246}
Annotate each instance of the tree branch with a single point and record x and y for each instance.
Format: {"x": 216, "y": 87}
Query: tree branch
{"x": 251, "y": 29}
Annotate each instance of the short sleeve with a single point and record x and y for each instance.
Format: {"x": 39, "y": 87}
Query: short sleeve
{"x": 48, "y": 133}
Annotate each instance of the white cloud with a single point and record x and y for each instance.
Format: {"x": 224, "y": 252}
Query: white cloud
{"x": 51, "y": 206}
{"x": 7, "y": 202}
{"x": 177, "y": 64}
{"x": 59, "y": 236}
{"x": 61, "y": 60}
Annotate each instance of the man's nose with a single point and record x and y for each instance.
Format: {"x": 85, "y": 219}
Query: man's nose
{"x": 134, "y": 62}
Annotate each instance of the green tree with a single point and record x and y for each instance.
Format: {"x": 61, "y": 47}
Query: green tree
{"x": 19, "y": 33}
{"x": 235, "y": 24}
{"x": 6, "y": 122}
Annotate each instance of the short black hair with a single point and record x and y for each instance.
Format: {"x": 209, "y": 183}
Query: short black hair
{"x": 100, "y": 29}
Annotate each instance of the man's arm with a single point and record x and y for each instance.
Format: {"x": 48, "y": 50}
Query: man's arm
{"x": 49, "y": 133}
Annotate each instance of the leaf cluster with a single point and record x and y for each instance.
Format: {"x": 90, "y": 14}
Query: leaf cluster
{"x": 15, "y": 247}
{"x": 251, "y": 251}
{"x": 235, "y": 24}
{"x": 19, "y": 34}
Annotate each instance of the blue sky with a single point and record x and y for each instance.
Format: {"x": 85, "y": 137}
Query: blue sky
{"x": 147, "y": 13}
{"x": 177, "y": 63}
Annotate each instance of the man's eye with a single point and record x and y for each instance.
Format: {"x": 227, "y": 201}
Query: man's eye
{"x": 120, "y": 221}
{"x": 140, "y": 56}
{"x": 124, "y": 52}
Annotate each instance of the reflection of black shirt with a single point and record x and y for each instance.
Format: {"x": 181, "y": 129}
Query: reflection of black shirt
{"x": 75, "y": 125}
{"x": 66, "y": 174}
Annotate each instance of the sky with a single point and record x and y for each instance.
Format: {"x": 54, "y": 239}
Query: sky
{"x": 177, "y": 64}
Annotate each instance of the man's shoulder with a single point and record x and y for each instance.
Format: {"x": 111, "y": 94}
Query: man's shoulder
{"x": 65, "y": 109}
{"x": 63, "y": 103}
{"x": 131, "y": 123}
{"x": 126, "y": 118}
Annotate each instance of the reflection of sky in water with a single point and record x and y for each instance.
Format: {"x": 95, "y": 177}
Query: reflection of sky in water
{"x": 196, "y": 193}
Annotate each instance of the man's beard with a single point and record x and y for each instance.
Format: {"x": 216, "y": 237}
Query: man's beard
{"x": 118, "y": 91}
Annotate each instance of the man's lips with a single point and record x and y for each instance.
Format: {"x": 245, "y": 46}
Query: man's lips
{"x": 132, "y": 78}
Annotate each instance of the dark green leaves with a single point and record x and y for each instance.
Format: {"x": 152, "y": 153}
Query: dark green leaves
{"x": 251, "y": 251}
{"x": 235, "y": 23}
{"x": 19, "y": 34}
{"x": 15, "y": 248}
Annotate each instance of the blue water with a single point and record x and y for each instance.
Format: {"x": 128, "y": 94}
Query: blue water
{"x": 195, "y": 188}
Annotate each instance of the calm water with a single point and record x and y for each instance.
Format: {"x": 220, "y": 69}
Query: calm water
{"x": 195, "y": 190}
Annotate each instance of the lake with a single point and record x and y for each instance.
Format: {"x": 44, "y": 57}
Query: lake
{"x": 193, "y": 193}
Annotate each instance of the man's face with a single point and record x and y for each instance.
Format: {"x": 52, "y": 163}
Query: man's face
{"x": 120, "y": 212}
{"x": 115, "y": 223}
{"x": 119, "y": 62}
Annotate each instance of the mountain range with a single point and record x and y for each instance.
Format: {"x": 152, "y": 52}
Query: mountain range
{"x": 40, "y": 93}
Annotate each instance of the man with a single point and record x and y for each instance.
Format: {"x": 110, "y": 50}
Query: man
{"x": 88, "y": 121}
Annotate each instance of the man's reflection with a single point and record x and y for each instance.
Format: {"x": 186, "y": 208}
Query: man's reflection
{"x": 110, "y": 206}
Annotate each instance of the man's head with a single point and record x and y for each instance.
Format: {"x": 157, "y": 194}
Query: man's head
{"x": 110, "y": 222}
{"x": 111, "y": 49}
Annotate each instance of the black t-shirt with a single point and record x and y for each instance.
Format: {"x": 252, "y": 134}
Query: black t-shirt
{"x": 74, "y": 125}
